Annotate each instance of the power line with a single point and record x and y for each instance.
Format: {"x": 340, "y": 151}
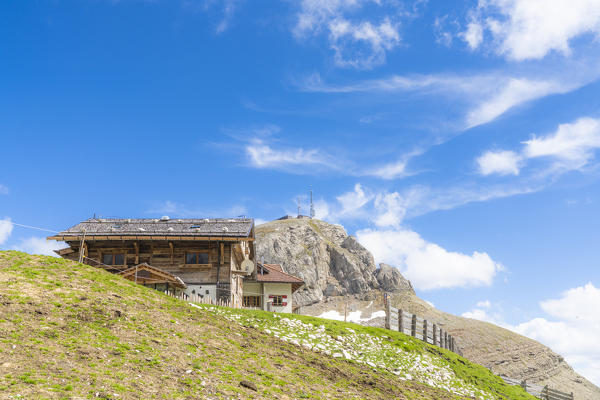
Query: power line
{"x": 33, "y": 227}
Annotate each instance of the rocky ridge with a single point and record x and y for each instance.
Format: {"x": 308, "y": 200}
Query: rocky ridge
{"x": 330, "y": 262}
{"x": 341, "y": 275}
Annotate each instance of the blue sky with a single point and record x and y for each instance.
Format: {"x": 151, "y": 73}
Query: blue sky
{"x": 456, "y": 140}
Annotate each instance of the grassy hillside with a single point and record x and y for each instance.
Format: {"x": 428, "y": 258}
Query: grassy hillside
{"x": 72, "y": 331}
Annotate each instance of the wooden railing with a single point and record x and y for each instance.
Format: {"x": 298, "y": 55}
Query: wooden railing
{"x": 541, "y": 392}
{"x": 198, "y": 299}
{"x": 420, "y": 328}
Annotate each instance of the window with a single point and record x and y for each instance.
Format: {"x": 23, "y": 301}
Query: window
{"x": 277, "y": 301}
{"x": 113, "y": 258}
{"x": 196, "y": 258}
{"x": 251, "y": 301}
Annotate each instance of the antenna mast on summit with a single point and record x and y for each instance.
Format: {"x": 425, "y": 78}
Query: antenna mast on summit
{"x": 312, "y": 206}
{"x": 298, "y": 206}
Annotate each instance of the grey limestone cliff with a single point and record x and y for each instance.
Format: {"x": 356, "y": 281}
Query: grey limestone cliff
{"x": 330, "y": 262}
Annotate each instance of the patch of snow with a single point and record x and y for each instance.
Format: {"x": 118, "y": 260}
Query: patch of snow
{"x": 354, "y": 316}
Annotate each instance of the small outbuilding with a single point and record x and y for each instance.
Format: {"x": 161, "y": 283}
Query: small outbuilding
{"x": 270, "y": 289}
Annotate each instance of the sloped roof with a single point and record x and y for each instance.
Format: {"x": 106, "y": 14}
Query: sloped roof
{"x": 166, "y": 276}
{"x": 273, "y": 273}
{"x": 112, "y": 227}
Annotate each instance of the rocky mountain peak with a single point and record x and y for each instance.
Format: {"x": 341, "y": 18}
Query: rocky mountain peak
{"x": 331, "y": 262}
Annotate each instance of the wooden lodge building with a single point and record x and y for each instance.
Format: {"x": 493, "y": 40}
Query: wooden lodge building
{"x": 203, "y": 258}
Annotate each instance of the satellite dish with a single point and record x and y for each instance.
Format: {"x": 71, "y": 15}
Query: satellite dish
{"x": 247, "y": 266}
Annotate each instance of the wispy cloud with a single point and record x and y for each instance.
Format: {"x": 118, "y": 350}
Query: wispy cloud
{"x": 513, "y": 92}
{"x": 222, "y": 11}
{"x": 229, "y": 7}
{"x": 265, "y": 151}
{"x": 357, "y": 41}
{"x": 485, "y": 96}
{"x": 3, "y": 189}
{"x": 262, "y": 155}
{"x": 175, "y": 209}
{"x": 388, "y": 209}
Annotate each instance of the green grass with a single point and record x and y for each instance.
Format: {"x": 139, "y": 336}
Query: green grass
{"x": 72, "y": 331}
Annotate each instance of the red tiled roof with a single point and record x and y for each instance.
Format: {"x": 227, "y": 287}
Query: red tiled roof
{"x": 274, "y": 266}
{"x": 273, "y": 273}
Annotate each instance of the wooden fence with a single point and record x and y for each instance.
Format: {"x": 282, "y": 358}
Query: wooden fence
{"x": 194, "y": 298}
{"x": 410, "y": 324}
{"x": 541, "y": 392}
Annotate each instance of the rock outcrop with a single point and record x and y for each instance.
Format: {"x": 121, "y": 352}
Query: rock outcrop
{"x": 330, "y": 262}
{"x": 340, "y": 274}
{"x": 391, "y": 280}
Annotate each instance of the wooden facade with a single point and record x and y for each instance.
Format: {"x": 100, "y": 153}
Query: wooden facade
{"x": 206, "y": 255}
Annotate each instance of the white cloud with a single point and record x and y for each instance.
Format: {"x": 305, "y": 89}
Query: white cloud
{"x": 573, "y": 144}
{"x": 578, "y": 321}
{"x": 499, "y": 162}
{"x": 262, "y": 155}
{"x": 473, "y": 35}
{"x": 260, "y": 221}
{"x": 391, "y": 209}
{"x": 345, "y": 36}
{"x": 581, "y": 303}
{"x": 356, "y": 43}
{"x": 530, "y": 29}
{"x": 574, "y": 314}
{"x": 428, "y": 265}
{"x": 3, "y": 189}
{"x": 571, "y": 147}
{"x": 352, "y": 203}
{"x": 484, "y": 304}
{"x": 39, "y": 245}
{"x": 321, "y": 209}
{"x": 6, "y": 228}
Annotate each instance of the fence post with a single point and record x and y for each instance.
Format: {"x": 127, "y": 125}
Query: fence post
{"x": 400, "y": 321}
{"x": 425, "y": 330}
{"x": 524, "y": 384}
{"x": 413, "y": 326}
{"x": 388, "y": 311}
{"x": 434, "y": 334}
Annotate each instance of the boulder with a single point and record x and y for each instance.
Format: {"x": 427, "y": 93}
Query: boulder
{"x": 391, "y": 280}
